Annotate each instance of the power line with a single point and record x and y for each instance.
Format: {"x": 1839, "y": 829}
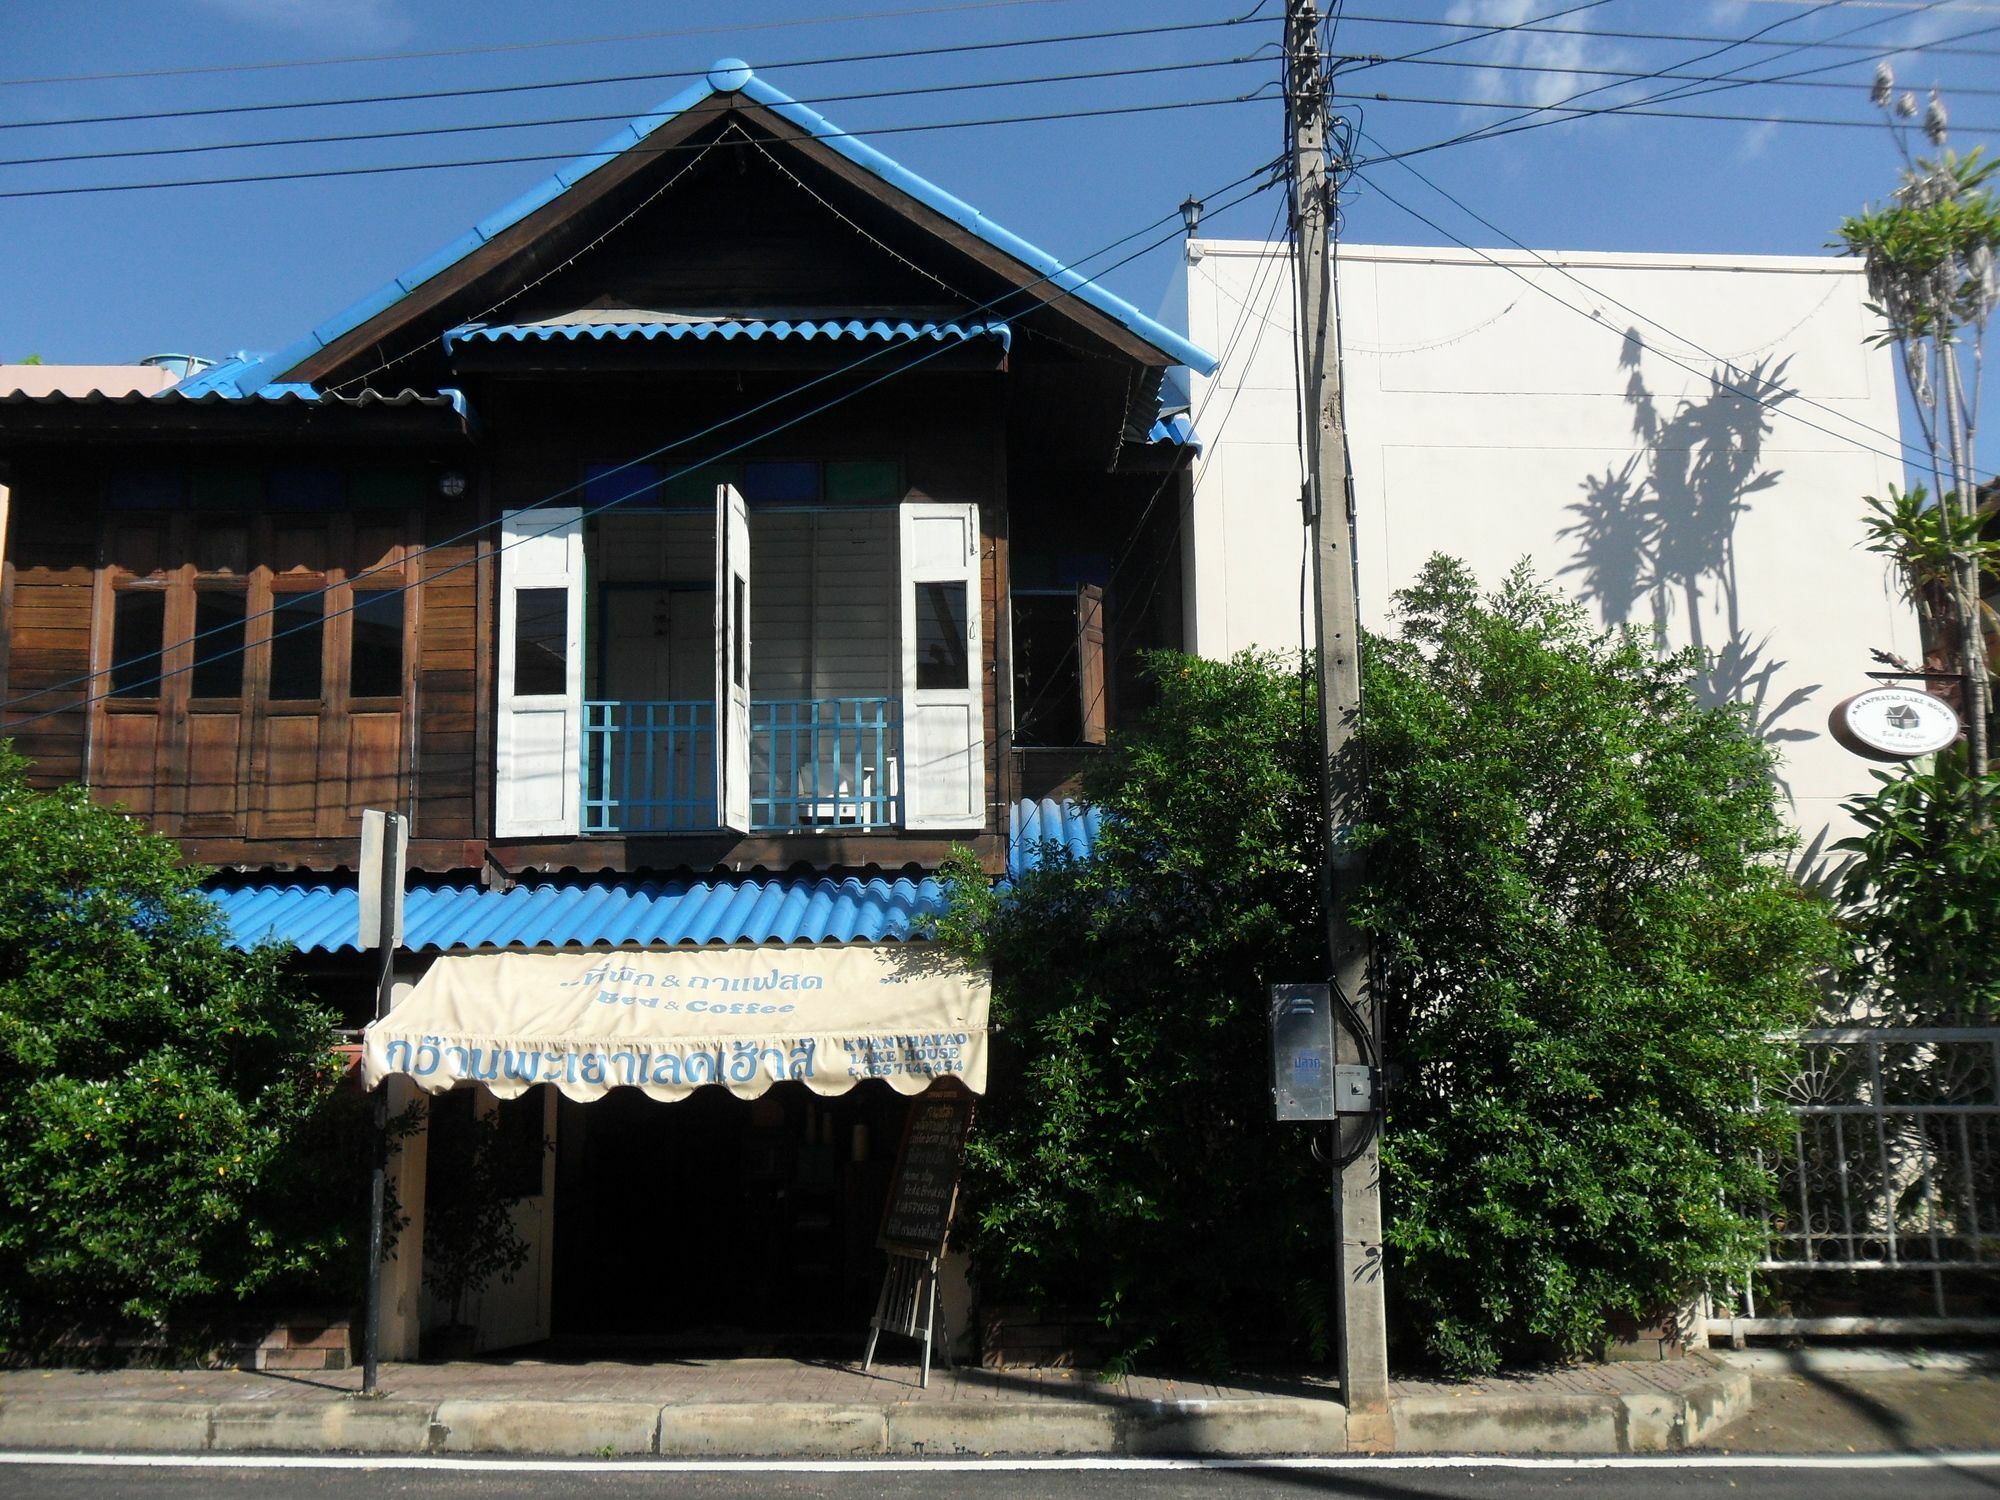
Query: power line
{"x": 1534, "y": 118}
{"x": 600, "y": 80}
{"x": 1599, "y": 292}
{"x": 415, "y": 131}
{"x": 1495, "y": 131}
{"x": 1767, "y": 403}
{"x": 1635, "y": 75}
{"x": 1632, "y": 111}
{"x": 315, "y": 174}
{"x": 1940, "y": 47}
{"x": 511, "y": 47}
{"x": 710, "y": 458}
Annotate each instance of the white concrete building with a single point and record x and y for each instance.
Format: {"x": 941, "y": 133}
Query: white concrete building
{"x": 1489, "y": 421}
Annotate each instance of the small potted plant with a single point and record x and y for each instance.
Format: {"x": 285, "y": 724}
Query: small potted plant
{"x": 470, "y": 1238}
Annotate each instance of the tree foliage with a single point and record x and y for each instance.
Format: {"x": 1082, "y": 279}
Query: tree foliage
{"x": 172, "y": 1133}
{"x": 1124, "y": 1161}
{"x": 1584, "y": 939}
{"x": 1923, "y": 893}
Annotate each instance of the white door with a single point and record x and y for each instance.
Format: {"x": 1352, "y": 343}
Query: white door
{"x": 944, "y": 739}
{"x": 732, "y": 657}
{"x": 538, "y": 741}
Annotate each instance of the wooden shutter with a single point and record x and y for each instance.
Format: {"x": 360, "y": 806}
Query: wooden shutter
{"x": 944, "y": 736}
{"x": 538, "y": 741}
{"x": 1090, "y": 679}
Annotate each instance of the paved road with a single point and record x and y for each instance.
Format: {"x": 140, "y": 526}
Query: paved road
{"x": 1859, "y": 1478}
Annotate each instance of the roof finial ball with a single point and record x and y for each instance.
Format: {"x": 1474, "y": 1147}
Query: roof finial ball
{"x": 729, "y": 75}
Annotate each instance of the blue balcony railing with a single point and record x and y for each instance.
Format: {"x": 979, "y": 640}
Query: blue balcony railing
{"x": 648, "y": 767}
{"x": 814, "y": 763}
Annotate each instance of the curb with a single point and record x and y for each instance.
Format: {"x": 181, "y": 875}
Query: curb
{"x": 1653, "y": 1422}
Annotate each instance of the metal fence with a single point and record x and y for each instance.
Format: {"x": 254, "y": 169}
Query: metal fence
{"x": 1888, "y": 1209}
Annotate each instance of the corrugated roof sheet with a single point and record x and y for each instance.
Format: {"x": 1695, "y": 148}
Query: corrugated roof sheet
{"x": 730, "y": 75}
{"x": 726, "y": 329}
{"x": 1175, "y": 427}
{"x": 595, "y": 914}
{"x": 1032, "y": 826}
{"x": 270, "y": 395}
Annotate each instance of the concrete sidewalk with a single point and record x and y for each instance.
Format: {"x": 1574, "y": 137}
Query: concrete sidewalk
{"x": 797, "y": 1408}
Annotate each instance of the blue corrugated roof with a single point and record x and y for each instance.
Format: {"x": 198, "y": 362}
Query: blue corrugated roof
{"x": 1177, "y": 428}
{"x": 734, "y": 328}
{"x": 728, "y": 76}
{"x": 1031, "y": 826}
{"x": 594, "y": 914}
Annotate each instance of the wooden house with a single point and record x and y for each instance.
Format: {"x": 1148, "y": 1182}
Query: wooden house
{"x": 722, "y": 530}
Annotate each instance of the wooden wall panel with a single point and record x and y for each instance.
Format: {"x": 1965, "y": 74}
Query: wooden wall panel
{"x": 214, "y": 791}
{"x": 449, "y": 649}
{"x": 285, "y": 799}
{"x": 51, "y": 556}
{"x": 128, "y": 764}
{"x": 374, "y": 766}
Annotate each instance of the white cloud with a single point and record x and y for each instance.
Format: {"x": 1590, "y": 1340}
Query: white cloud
{"x": 1755, "y": 140}
{"x": 361, "y": 22}
{"x": 1552, "y": 55}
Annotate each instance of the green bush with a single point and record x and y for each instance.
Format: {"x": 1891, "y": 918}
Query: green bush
{"x": 173, "y": 1135}
{"x": 1923, "y": 894}
{"x": 1124, "y": 1162}
{"x": 1584, "y": 940}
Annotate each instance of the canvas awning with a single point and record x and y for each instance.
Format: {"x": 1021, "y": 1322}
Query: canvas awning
{"x": 669, "y": 1020}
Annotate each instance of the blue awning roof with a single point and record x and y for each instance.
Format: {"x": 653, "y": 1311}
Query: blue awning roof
{"x": 1175, "y": 427}
{"x": 1032, "y": 826}
{"x": 728, "y": 76}
{"x": 727, "y": 329}
{"x": 594, "y": 914}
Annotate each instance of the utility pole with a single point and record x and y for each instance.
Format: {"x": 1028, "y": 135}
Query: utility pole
{"x": 1359, "y": 1317}
{"x": 384, "y": 855}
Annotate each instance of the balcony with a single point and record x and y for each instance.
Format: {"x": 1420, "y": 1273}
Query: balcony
{"x": 649, "y": 767}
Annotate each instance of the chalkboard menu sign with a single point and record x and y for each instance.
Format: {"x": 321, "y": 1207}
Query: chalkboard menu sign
{"x": 925, "y": 1184}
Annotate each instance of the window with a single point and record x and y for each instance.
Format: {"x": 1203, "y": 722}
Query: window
{"x": 541, "y": 642}
{"x": 1059, "y": 681}
{"x": 941, "y": 654}
{"x": 138, "y": 631}
{"x": 298, "y": 630}
{"x": 218, "y": 644}
{"x": 377, "y": 662}
{"x": 740, "y": 604}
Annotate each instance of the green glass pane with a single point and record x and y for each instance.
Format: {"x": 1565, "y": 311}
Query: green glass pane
{"x": 227, "y": 487}
{"x": 697, "y": 488}
{"x": 862, "y": 482}
{"x": 387, "y": 487}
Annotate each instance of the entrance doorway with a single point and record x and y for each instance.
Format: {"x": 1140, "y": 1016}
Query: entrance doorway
{"x": 718, "y": 1225}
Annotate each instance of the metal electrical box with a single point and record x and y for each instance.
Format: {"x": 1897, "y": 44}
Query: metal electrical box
{"x": 1307, "y": 1083}
{"x": 1302, "y": 1056}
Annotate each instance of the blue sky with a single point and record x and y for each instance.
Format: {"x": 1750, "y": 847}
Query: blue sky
{"x": 111, "y": 276}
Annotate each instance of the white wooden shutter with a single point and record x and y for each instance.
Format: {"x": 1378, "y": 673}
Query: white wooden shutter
{"x": 732, "y": 658}
{"x": 944, "y": 732}
{"x": 538, "y": 742}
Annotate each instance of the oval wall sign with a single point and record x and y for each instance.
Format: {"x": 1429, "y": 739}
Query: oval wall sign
{"x": 1893, "y": 723}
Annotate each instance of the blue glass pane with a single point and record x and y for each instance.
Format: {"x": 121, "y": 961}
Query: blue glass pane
{"x": 143, "y": 489}
{"x": 628, "y": 486}
{"x": 304, "y": 487}
{"x": 785, "y": 483}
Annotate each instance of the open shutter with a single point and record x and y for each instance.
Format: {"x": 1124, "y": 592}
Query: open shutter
{"x": 732, "y": 658}
{"x": 944, "y": 737}
{"x": 1090, "y": 681}
{"x": 538, "y": 781}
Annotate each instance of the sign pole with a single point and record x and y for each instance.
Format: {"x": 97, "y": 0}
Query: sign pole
{"x": 383, "y": 841}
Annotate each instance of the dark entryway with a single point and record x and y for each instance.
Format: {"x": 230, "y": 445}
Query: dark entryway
{"x": 722, "y": 1225}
